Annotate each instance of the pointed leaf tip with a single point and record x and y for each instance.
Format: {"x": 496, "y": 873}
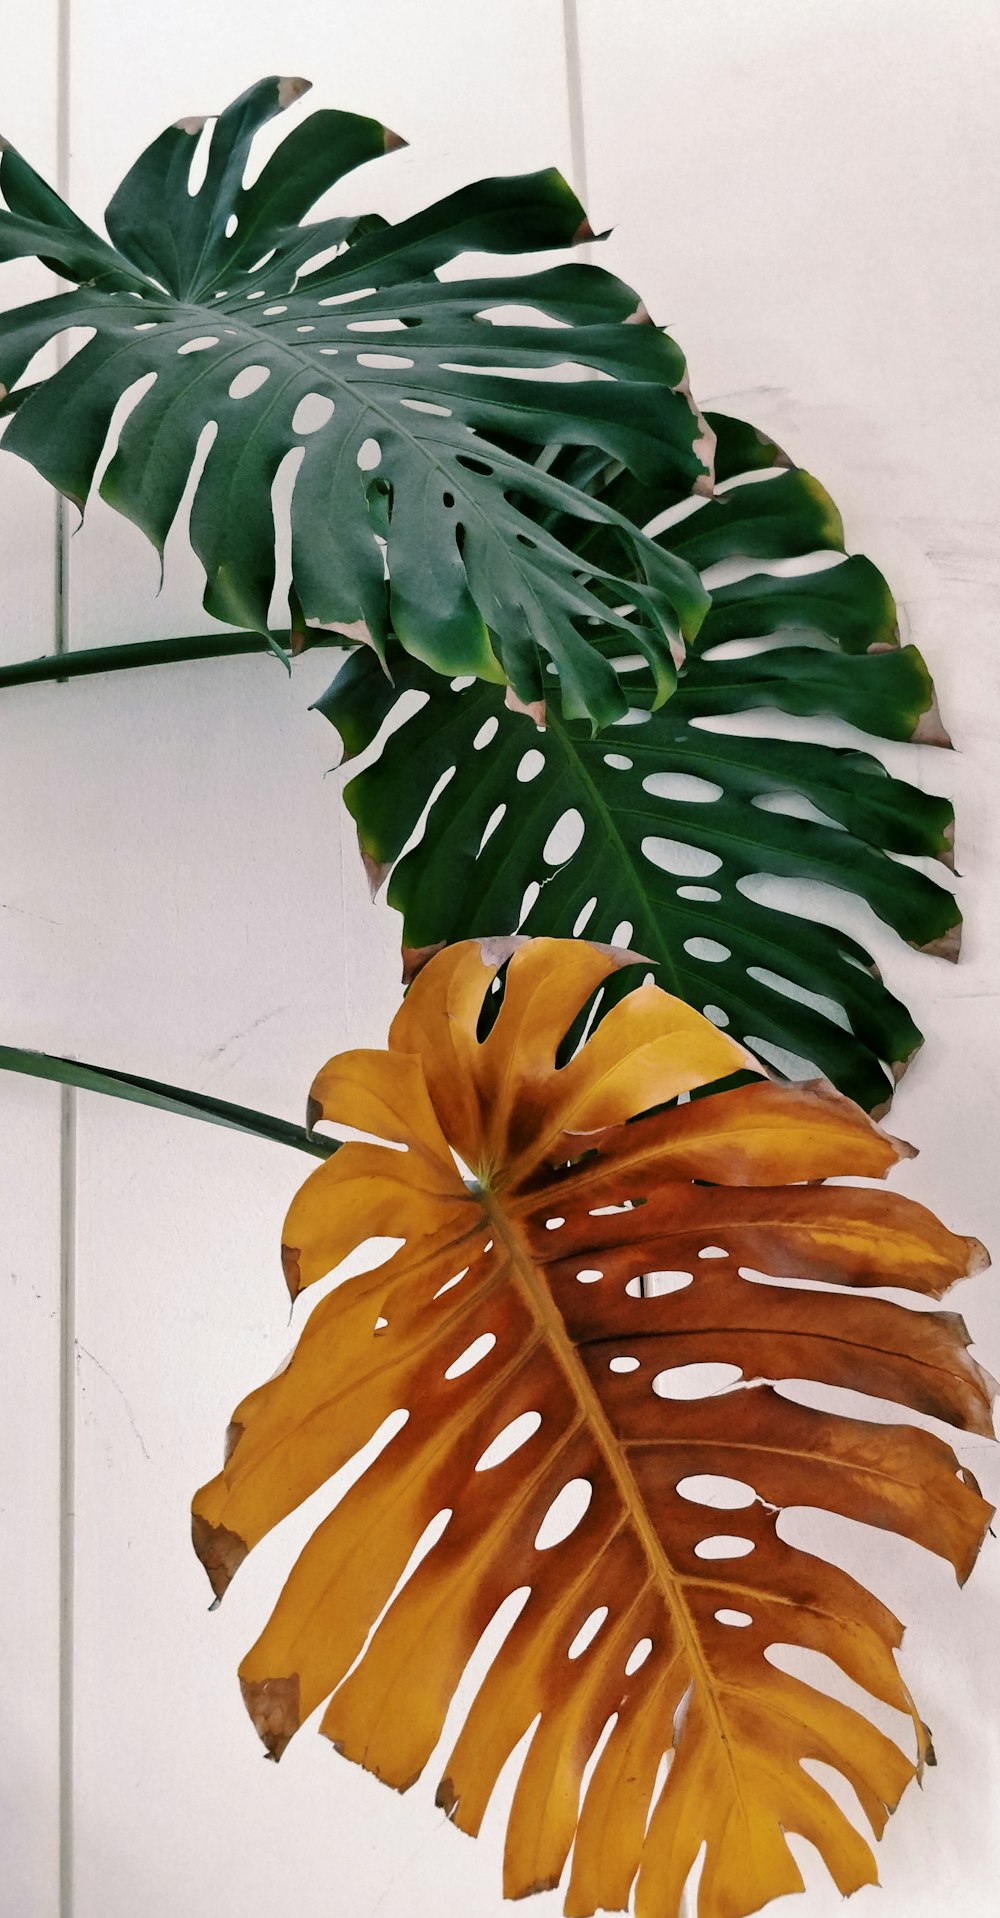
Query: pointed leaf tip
{"x": 291, "y": 1269}
{"x": 949, "y": 945}
{"x": 221, "y": 1552}
{"x": 273, "y": 1705}
{"x": 291, "y": 90}
{"x": 392, "y": 142}
{"x": 930, "y": 729}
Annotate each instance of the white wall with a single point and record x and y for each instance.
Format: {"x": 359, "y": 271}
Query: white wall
{"x": 805, "y": 191}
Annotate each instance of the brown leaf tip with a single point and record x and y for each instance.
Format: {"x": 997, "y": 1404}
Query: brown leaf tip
{"x": 221, "y": 1552}
{"x": 948, "y": 946}
{"x": 532, "y": 708}
{"x": 391, "y": 142}
{"x": 192, "y": 124}
{"x": 415, "y": 958}
{"x": 376, "y": 871}
{"x": 583, "y": 233}
{"x": 273, "y": 1705}
{"x": 446, "y": 1797}
{"x": 978, "y": 1258}
{"x": 234, "y": 1433}
{"x": 291, "y": 1269}
{"x": 641, "y": 316}
{"x": 290, "y": 90}
{"x": 314, "y": 1113}
{"x": 930, "y": 729}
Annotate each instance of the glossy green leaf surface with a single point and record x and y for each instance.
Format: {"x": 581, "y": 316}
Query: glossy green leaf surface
{"x": 426, "y": 501}
{"x": 673, "y": 829}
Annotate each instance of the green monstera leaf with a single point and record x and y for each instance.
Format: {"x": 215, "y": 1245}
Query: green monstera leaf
{"x": 427, "y": 499}
{"x": 668, "y": 831}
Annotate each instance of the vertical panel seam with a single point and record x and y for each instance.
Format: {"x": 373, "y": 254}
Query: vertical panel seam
{"x": 67, "y": 1160}
{"x": 574, "y": 100}
{"x": 67, "y": 1485}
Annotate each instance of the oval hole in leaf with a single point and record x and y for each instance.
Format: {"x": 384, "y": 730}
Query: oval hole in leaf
{"x": 369, "y": 456}
{"x": 724, "y": 1545}
{"x": 657, "y": 1284}
{"x": 672, "y": 855}
{"x": 618, "y": 762}
{"x": 487, "y": 732}
{"x": 472, "y": 1355}
{"x": 314, "y": 411}
{"x": 711, "y": 950}
{"x": 552, "y": 1225}
{"x": 684, "y": 786}
{"x": 564, "y": 839}
{"x": 588, "y": 1631}
{"x": 696, "y": 1381}
{"x": 249, "y": 380}
{"x": 200, "y": 345}
{"x": 491, "y": 825}
{"x": 531, "y": 765}
{"x": 564, "y": 1514}
{"x": 583, "y": 917}
{"x": 446, "y": 1287}
{"x": 589, "y": 1275}
{"x": 383, "y": 360}
{"x": 713, "y": 1252}
{"x": 637, "y": 1656}
{"x": 791, "y": 1064}
{"x": 707, "y": 894}
{"x": 622, "y": 933}
{"x": 726, "y": 1616}
{"x": 716, "y": 1015}
{"x": 624, "y": 1364}
{"x": 509, "y": 1441}
{"x": 712, "y": 1488}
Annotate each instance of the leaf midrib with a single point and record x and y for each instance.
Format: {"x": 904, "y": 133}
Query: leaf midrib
{"x": 527, "y": 1279}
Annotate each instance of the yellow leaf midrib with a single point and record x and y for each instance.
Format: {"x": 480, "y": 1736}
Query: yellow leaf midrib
{"x": 532, "y": 1285}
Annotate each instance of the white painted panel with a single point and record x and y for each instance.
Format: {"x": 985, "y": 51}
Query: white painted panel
{"x": 29, "y": 1497}
{"x": 807, "y": 196}
{"x": 222, "y": 936}
{"x": 28, "y": 108}
{"x": 29, "y": 1123}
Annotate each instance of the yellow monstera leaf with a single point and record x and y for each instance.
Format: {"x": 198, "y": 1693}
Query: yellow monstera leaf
{"x": 576, "y": 1237}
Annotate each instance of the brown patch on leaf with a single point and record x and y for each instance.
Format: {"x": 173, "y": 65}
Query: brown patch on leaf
{"x": 234, "y": 1433}
{"x": 947, "y": 947}
{"x": 355, "y": 629}
{"x": 583, "y": 233}
{"x": 704, "y": 444}
{"x": 221, "y": 1552}
{"x": 929, "y": 729}
{"x": 415, "y": 959}
{"x": 823, "y": 1090}
{"x": 446, "y": 1797}
{"x": 192, "y": 124}
{"x": 291, "y": 1269}
{"x": 391, "y": 142}
{"x": 377, "y": 870}
{"x": 979, "y": 1261}
{"x": 532, "y": 708}
{"x": 899, "y": 1066}
{"x": 273, "y": 1704}
{"x": 291, "y": 90}
{"x": 314, "y": 1113}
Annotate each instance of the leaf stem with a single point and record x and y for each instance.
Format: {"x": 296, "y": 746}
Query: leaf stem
{"x": 167, "y": 1098}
